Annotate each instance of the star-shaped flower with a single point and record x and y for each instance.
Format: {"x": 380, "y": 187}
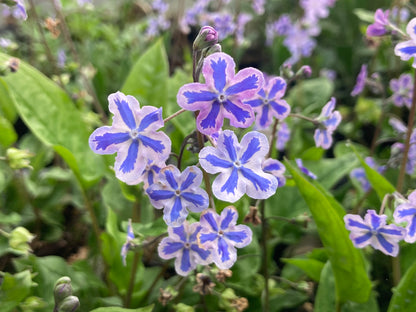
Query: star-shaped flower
{"x": 268, "y": 103}
{"x": 133, "y": 136}
{"x": 381, "y": 22}
{"x": 360, "y": 83}
{"x": 406, "y": 212}
{"x": 221, "y": 235}
{"x": 182, "y": 244}
{"x": 177, "y": 193}
{"x": 329, "y": 121}
{"x": 403, "y": 90}
{"x": 222, "y": 94}
{"x": 239, "y": 166}
{"x": 374, "y": 231}
{"x": 407, "y": 49}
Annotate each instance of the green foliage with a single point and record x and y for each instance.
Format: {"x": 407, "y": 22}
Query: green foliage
{"x": 14, "y": 289}
{"x": 404, "y": 294}
{"x": 117, "y": 309}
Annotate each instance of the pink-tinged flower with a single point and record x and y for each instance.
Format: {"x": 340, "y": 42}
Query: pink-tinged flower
{"x": 132, "y": 136}
{"x": 381, "y": 22}
{"x": 207, "y": 37}
{"x": 360, "y": 83}
{"x": 305, "y": 170}
{"x": 221, "y": 236}
{"x": 177, "y": 193}
{"x": 374, "y": 231}
{"x": 239, "y": 166}
{"x": 182, "y": 244}
{"x": 222, "y": 94}
{"x": 275, "y": 168}
{"x": 329, "y": 121}
{"x": 403, "y": 90}
{"x": 407, "y": 49}
{"x": 406, "y": 212}
{"x": 268, "y": 103}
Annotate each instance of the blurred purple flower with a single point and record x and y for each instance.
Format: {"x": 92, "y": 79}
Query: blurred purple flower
{"x": 191, "y": 16}
{"x": 329, "y": 74}
{"x": 403, "y": 90}
{"x": 402, "y": 14}
{"x": 221, "y": 235}
{"x": 224, "y": 23}
{"x": 268, "y": 103}
{"x": 177, "y": 193}
{"x": 275, "y": 168}
{"x": 379, "y": 27}
{"x": 316, "y": 9}
{"x": 304, "y": 170}
{"x": 360, "y": 175}
{"x": 360, "y": 83}
{"x": 280, "y": 27}
{"x": 61, "y": 58}
{"x": 242, "y": 20}
{"x": 374, "y": 231}
{"x": 17, "y": 10}
{"x": 299, "y": 42}
{"x": 398, "y": 125}
{"x": 5, "y": 43}
{"x": 407, "y": 49}
{"x": 183, "y": 245}
{"x": 283, "y": 135}
{"x": 406, "y": 212}
{"x": 239, "y": 166}
{"x": 132, "y": 136}
{"x": 329, "y": 121}
{"x": 258, "y": 6}
{"x": 128, "y": 244}
{"x": 222, "y": 94}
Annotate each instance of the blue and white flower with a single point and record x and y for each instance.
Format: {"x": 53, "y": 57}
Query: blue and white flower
{"x": 128, "y": 244}
{"x": 407, "y": 49}
{"x": 406, "y": 212}
{"x": 328, "y": 122}
{"x": 182, "y": 244}
{"x": 276, "y": 168}
{"x": 132, "y": 136}
{"x": 177, "y": 193}
{"x": 239, "y": 166}
{"x": 305, "y": 170}
{"x": 374, "y": 231}
{"x": 221, "y": 235}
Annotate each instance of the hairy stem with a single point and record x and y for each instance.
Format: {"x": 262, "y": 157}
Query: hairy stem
{"x": 174, "y": 115}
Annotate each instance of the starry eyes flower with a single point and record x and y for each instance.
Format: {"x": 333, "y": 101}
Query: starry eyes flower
{"x": 222, "y": 94}
{"x": 360, "y": 175}
{"x": 276, "y": 168}
{"x": 305, "y": 170}
{"x": 360, "y": 83}
{"x": 128, "y": 244}
{"x": 182, "y": 244}
{"x": 177, "y": 193}
{"x": 407, "y": 49}
{"x": 329, "y": 121}
{"x": 406, "y": 212}
{"x": 239, "y": 165}
{"x": 374, "y": 231}
{"x": 150, "y": 173}
{"x": 403, "y": 90}
{"x": 221, "y": 235}
{"x": 379, "y": 27}
{"x": 132, "y": 135}
{"x": 268, "y": 103}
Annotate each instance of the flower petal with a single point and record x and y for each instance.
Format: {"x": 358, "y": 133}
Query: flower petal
{"x": 228, "y": 218}
{"x": 260, "y": 185}
{"x": 169, "y": 248}
{"x": 124, "y": 108}
{"x": 106, "y": 140}
{"x": 210, "y": 119}
{"x": 152, "y": 119}
{"x": 240, "y": 115}
{"x": 218, "y": 69}
{"x": 195, "y": 96}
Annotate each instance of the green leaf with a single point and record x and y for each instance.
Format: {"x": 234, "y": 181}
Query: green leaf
{"x": 148, "y": 79}
{"x": 118, "y": 309}
{"x": 347, "y": 262}
{"x": 365, "y": 15}
{"x": 7, "y": 134}
{"x": 7, "y": 107}
{"x": 379, "y": 183}
{"x": 404, "y": 298}
{"x": 311, "y": 267}
{"x": 51, "y": 115}
{"x": 14, "y": 289}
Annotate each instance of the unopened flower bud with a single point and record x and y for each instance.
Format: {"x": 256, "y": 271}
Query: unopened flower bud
{"x": 222, "y": 275}
{"x": 204, "y": 285}
{"x": 69, "y": 304}
{"x": 252, "y": 216}
{"x": 62, "y": 289}
{"x": 304, "y": 72}
{"x": 19, "y": 240}
{"x": 286, "y": 72}
{"x": 18, "y": 159}
{"x": 207, "y": 37}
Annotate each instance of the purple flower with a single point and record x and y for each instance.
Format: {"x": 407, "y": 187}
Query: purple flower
{"x": 268, "y": 103}
{"x": 329, "y": 121}
{"x": 150, "y": 173}
{"x": 406, "y": 212}
{"x": 407, "y": 49}
{"x": 223, "y": 23}
{"x": 305, "y": 170}
{"x": 280, "y": 27}
{"x": 61, "y": 58}
{"x": 258, "y": 6}
{"x": 374, "y": 231}
{"x": 360, "y": 83}
{"x": 360, "y": 175}
{"x": 379, "y": 27}
{"x": 177, "y": 193}
{"x": 242, "y": 20}
{"x": 403, "y": 90}
{"x": 222, "y": 94}
{"x": 239, "y": 166}
{"x": 128, "y": 244}
{"x": 133, "y": 136}
{"x": 283, "y": 136}
{"x": 275, "y": 168}
{"x": 401, "y": 14}
{"x": 398, "y": 125}
{"x": 299, "y": 42}
{"x": 182, "y": 244}
{"x": 18, "y": 9}
{"x": 5, "y": 43}
{"x": 221, "y": 235}
{"x": 316, "y": 9}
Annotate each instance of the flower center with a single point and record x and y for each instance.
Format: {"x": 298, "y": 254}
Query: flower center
{"x": 266, "y": 101}
{"x": 187, "y": 245}
{"x": 220, "y": 232}
{"x": 374, "y": 232}
{"x": 237, "y": 163}
{"x": 134, "y": 134}
{"x": 222, "y": 98}
{"x": 177, "y": 192}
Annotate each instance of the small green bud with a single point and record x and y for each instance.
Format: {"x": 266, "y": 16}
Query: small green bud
{"x": 62, "y": 289}
{"x": 18, "y": 159}
{"x": 19, "y": 240}
{"x": 286, "y": 71}
{"x": 70, "y": 304}
{"x": 207, "y": 37}
{"x": 304, "y": 72}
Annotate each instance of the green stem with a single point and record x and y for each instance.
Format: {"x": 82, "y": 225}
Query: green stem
{"x": 265, "y": 263}
{"x": 315, "y": 122}
{"x": 174, "y": 115}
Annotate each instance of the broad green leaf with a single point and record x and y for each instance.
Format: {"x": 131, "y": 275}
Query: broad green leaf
{"x": 379, "y": 183}
{"x": 14, "y": 289}
{"x": 148, "y": 79}
{"x": 7, "y": 134}
{"x": 351, "y": 279}
{"x": 311, "y": 267}
{"x": 404, "y": 298}
{"x": 7, "y": 107}
{"x": 118, "y": 309}
{"x": 51, "y": 115}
